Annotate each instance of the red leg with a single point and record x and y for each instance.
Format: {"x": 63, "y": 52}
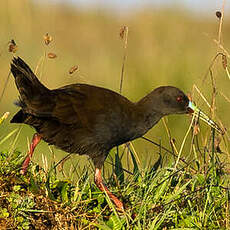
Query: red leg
{"x": 35, "y": 140}
{"x": 103, "y": 188}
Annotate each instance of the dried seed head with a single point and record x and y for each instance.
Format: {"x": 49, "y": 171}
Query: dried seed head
{"x": 51, "y": 55}
{"x": 224, "y": 61}
{"x": 12, "y": 46}
{"x": 47, "y": 39}
{"x": 123, "y": 31}
{"x": 73, "y": 69}
{"x": 218, "y": 14}
{"x": 196, "y": 129}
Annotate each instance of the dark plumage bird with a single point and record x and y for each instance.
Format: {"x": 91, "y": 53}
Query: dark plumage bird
{"x": 86, "y": 119}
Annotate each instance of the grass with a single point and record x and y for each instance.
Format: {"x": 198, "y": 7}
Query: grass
{"x": 181, "y": 181}
{"x": 194, "y": 196}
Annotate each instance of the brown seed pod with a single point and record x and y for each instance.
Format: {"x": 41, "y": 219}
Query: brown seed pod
{"x": 47, "y": 39}
{"x": 122, "y": 32}
{"x": 12, "y": 46}
{"x": 51, "y": 55}
{"x": 218, "y": 14}
{"x": 73, "y": 69}
{"x": 224, "y": 61}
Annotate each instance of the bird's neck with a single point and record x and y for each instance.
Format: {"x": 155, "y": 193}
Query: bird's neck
{"x": 148, "y": 113}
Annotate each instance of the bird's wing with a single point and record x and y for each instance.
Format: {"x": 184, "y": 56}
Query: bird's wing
{"x": 77, "y": 103}
{"x": 69, "y": 103}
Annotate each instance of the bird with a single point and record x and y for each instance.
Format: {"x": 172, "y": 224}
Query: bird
{"x": 91, "y": 120}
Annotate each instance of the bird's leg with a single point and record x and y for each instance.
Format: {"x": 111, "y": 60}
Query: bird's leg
{"x": 35, "y": 140}
{"x": 103, "y": 188}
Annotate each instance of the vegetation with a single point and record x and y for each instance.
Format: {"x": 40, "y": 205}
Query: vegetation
{"x": 178, "y": 181}
{"x": 194, "y": 197}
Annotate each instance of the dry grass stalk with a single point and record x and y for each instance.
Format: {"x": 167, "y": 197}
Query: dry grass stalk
{"x": 124, "y": 36}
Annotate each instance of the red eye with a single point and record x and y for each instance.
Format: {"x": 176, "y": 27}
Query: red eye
{"x": 179, "y": 99}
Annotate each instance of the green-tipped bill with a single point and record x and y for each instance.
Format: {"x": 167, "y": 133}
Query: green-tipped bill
{"x": 199, "y": 114}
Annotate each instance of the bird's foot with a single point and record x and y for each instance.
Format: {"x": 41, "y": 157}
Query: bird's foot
{"x": 103, "y": 188}
{"x": 35, "y": 140}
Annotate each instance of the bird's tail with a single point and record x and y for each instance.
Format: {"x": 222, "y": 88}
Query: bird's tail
{"x": 27, "y": 83}
{"x": 33, "y": 94}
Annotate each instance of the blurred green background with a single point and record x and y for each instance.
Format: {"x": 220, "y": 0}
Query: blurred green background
{"x": 166, "y": 46}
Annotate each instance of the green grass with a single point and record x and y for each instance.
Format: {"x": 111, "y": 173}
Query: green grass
{"x": 162, "y": 50}
{"x": 194, "y": 197}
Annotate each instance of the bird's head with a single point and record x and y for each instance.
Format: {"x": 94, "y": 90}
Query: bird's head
{"x": 171, "y": 100}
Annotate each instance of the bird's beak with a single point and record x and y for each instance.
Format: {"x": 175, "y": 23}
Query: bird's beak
{"x": 200, "y": 115}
